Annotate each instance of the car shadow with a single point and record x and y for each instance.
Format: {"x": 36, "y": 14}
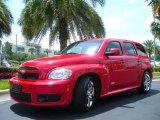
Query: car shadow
{"x": 68, "y": 113}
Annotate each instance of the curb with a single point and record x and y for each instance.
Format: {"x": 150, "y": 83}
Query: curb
{"x": 4, "y": 91}
{"x": 156, "y": 77}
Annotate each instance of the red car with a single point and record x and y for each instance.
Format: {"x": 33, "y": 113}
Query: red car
{"x": 84, "y": 71}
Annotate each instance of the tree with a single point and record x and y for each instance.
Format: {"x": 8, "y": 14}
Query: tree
{"x": 8, "y": 50}
{"x": 6, "y": 20}
{"x": 20, "y": 57}
{"x": 155, "y": 26}
{"x": 149, "y": 46}
{"x": 155, "y": 4}
{"x": 31, "y": 50}
{"x": 64, "y": 19}
{"x": 47, "y": 51}
{"x": 158, "y": 53}
{"x": 155, "y": 29}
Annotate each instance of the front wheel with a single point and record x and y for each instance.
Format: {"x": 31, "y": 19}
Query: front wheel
{"x": 84, "y": 94}
{"x": 146, "y": 83}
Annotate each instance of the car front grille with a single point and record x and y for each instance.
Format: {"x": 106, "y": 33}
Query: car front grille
{"x": 28, "y": 73}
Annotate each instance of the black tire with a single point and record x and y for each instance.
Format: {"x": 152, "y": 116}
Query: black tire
{"x": 84, "y": 94}
{"x": 146, "y": 83}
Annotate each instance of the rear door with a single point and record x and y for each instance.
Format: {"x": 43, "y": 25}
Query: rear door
{"x": 132, "y": 63}
{"x": 143, "y": 60}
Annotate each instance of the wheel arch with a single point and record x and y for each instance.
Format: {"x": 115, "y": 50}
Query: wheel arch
{"x": 150, "y": 72}
{"x": 96, "y": 79}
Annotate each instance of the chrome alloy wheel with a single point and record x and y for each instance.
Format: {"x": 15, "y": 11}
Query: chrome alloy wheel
{"x": 90, "y": 94}
{"x": 147, "y": 82}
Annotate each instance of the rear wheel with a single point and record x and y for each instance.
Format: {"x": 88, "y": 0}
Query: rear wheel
{"x": 146, "y": 83}
{"x": 84, "y": 94}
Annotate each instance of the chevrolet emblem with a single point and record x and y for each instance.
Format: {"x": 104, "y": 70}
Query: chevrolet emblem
{"x": 22, "y": 71}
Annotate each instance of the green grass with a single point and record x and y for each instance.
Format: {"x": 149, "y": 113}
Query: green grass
{"x": 156, "y": 73}
{"x": 4, "y": 84}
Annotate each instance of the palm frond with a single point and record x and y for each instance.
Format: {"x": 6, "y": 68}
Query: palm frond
{"x": 6, "y": 20}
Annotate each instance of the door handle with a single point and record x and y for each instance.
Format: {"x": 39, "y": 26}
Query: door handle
{"x": 122, "y": 62}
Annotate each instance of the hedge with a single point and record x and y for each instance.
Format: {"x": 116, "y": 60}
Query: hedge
{"x": 7, "y": 72}
{"x": 3, "y": 70}
{"x": 156, "y": 69}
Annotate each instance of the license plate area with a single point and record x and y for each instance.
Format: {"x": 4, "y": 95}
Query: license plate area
{"x": 16, "y": 88}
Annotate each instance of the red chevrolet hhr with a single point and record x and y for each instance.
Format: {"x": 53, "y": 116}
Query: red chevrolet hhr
{"x": 84, "y": 71}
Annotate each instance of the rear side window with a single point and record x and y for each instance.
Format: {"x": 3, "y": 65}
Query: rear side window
{"x": 130, "y": 49}
{"x": 114, "y": 44}
{"x": 141, "y": 50}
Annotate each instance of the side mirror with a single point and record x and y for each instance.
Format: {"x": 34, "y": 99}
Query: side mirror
{"x": 113, "y": 51}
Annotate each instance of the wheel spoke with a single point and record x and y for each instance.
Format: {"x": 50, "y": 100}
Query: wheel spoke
{"x": 147, "y": 82}
{"x": 90, "y": 94}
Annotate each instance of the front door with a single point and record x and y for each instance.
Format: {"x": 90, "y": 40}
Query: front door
{"x": 116, "y": 67}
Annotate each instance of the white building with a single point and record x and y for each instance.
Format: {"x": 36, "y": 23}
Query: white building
{"x": 24, "y": 48}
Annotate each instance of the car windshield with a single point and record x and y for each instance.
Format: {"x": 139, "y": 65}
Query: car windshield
{"x": 83, "y": 47}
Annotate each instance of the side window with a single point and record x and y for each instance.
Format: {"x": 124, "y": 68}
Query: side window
{"x": 141, "y": 50}
{"x": 114, "y": 44}
{"x": 130, "y": 49}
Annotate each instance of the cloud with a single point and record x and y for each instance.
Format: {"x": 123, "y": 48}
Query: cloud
{"x": 132, "y": 1}
{"x": 115, "y": 22}
{"x": 130, "y": 14}
{"x": 148, "y": 21}
{"x": 139, "y": 38}
{"x": 145, "y": 6}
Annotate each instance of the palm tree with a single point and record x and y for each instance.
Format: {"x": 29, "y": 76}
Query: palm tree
{"x": 155, "y": 29}
{"x": 155, "y": 4}
{"x": 155, "y": 26}
{"x": 47, "y": 51}
{"x": 149, "y": 46}
{"x": 31, "y": 50}
{"x": 64, "y": 19}
{"x": 6, "y": 20}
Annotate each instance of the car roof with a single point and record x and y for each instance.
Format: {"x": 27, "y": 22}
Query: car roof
{"x": 113, "y": 39}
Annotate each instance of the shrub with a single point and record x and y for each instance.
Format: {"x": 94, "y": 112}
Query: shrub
{"x": 7, "y": 72}
{"x": 3, "y": 70}
{"x": 156, "y": 69}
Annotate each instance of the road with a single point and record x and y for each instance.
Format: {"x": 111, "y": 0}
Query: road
{"x": 125, "y": 106}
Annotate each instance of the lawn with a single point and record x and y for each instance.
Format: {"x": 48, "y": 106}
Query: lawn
{"x": 156, "y": 73}
{"x": 4, "y": 84}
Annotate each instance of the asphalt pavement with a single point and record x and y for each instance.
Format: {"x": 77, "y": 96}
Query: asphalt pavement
{"x": 129, "y": 105}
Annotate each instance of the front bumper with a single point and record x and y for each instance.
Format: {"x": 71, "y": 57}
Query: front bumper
{"x": 41, "y": 92}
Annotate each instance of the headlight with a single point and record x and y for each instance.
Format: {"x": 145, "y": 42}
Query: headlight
{"x": 60, "y": 73}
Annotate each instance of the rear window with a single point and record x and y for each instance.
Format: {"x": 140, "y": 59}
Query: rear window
{"x": 141, "y": 50}
{"x": 130, "y": 49}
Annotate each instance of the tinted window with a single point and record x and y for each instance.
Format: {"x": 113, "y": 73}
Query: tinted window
{"x": 141, "y": 50}
{"x": 114, "y": 44}
{"x": 130, "y": 50}
{"x": 83, "y": 47}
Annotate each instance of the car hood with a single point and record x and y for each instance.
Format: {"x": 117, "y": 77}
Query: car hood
{"x": 60, "y": 60}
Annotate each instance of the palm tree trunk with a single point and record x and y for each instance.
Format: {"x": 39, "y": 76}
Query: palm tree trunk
{"x": 64, "y": 33}
{"x": 150, "y": 57}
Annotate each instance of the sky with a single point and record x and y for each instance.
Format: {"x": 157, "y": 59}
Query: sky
{"x": 125, "y": 19}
